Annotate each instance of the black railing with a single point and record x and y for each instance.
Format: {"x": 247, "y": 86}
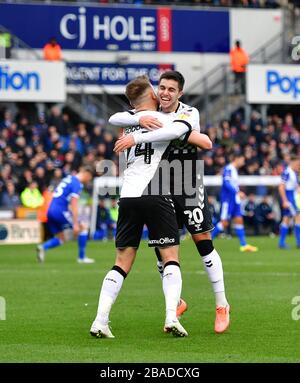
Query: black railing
{"x": 17, "y": 43}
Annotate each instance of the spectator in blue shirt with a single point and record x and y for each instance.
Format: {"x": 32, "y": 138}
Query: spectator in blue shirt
{"x": 10, "y": 199}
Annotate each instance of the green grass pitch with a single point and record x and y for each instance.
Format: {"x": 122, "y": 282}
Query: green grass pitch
{"x": 51, "y": 306}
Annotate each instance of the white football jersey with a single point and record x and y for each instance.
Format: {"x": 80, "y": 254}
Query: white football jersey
{"x": 191, "y": 115}
{"x": 142, "y": 159}
{"x": 186, "y": 112}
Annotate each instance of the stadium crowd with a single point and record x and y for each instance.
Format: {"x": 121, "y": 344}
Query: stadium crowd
{"x": 44, "y": 148}
{"x": 265, "y": 145}
{"x": 218, "y": 3}
{"x": 38, "y": 150}
{"x": 209, "y": 3}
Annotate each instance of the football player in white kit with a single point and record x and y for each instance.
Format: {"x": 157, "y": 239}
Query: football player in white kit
{"x": 196, "y": 218}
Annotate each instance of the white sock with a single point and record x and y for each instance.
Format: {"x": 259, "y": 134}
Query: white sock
{"x": 111, "y": 287}
{"x": 172, "y": 284}
{"x": 213, "y": 266}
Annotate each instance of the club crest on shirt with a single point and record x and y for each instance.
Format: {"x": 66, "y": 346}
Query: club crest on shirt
{"x": 183, "y": 116}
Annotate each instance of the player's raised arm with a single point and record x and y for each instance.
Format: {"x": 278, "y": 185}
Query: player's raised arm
{"x": 129, "y": 118}
{"x": 199, "y": 139}
{"x": 169, "y": 132}
{"x": 182, "y": 125}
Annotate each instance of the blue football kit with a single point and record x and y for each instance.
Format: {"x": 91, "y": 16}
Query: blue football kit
{"x": 59, "y": 215}
{"x": 230, "y": 200}
{"x": 290, "y": 180}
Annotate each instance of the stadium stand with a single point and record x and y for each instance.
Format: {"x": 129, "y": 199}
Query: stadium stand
{"x": 45, "y": 148}
{"x": 46, "y": 145}
{"x": 210, "y": 3}
{"x": 55, "y": 142}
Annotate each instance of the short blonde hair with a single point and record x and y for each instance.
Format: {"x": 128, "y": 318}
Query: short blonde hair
{"x": 136, "y": 89}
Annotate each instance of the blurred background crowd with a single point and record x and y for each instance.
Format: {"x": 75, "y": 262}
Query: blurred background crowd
{"x": 38, "y": 149}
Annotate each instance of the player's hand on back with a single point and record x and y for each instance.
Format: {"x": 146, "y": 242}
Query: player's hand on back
{"x": 123, "y": 143}
{"x": 150, "y": 122}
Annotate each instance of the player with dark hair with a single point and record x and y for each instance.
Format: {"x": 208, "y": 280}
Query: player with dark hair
{"x": 196, "y": 218}
{"x": 63, "y": 214}
{"x": 231, "y": 203}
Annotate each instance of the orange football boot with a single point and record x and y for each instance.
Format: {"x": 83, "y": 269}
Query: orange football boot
{"x": 222, "y": 319}
{"x": 181, "y": 308}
